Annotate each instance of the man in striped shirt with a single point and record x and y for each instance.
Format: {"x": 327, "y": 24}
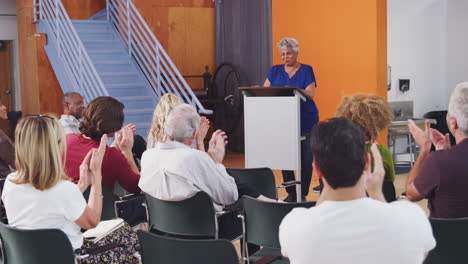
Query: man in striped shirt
{"x": 73, "y": 109}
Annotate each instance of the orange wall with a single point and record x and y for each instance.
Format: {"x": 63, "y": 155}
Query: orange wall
{"x": 345, "y": 41}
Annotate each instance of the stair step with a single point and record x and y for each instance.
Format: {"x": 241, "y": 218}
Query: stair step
{"x": 97, "y": 56}
{"x": 84, "y": 25}
{"x": 139, "y": 115}
{"x": 114, "y": 66}
{"x": 137, "y": 101}
{"x": 126, "y": 85}
{"x": 103, "y": 44}
{"x": 89, "y": 36}
{"x": 121, "y": 77}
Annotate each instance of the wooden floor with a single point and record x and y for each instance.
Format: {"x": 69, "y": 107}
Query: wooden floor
{"x": 236, "y": 160}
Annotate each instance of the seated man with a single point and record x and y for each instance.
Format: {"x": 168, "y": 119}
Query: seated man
{"x": 441, "y": 176}
{"x": 73, "y": 109}
{"x": 347, "y": 226}
{"x": 175, "y": 171}
{"x": 7, "y": 149}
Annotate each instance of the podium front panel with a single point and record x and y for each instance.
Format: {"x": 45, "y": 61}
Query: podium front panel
{"x": 272, "y": 136}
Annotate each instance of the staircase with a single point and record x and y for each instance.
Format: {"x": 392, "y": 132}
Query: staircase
{"x": 101, "y": 57}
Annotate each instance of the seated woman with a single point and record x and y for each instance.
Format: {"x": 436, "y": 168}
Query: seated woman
{"x": 372, "y": 114}
{"x": 104, "y": 115}
{"x": 40, "y": 195}
{"x": 161, "y": 112}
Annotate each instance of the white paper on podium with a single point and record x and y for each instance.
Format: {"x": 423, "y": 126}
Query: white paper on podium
{"x": 272, "y": 137}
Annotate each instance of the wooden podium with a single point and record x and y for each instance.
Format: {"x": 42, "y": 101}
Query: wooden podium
{"x": 272, "y": 119}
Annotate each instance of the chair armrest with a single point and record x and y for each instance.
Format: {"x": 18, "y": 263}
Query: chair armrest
{"x": 288, "y": 183}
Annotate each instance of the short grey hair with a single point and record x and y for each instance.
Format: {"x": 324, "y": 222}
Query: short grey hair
{"x": 284, "y": 43}
{"x": 67, "y": 96}
{"x": 182, "y": 122}
{"x": 458, "y": 106}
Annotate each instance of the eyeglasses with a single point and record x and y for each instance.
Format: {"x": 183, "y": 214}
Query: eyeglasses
{"x": 39, "y": 116}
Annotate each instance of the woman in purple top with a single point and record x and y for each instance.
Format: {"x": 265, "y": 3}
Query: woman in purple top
{"x": 294, "y": 73}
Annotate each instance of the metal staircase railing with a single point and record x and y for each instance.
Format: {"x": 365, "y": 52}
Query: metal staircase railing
{"x": 148, "y": 53}
{"x": 70, "y": 49}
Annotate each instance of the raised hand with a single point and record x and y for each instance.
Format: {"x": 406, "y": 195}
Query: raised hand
{"x": 3, "y": 112}
{"x": 124, "y": 139}
{"x": 421, "y": 137}
{"x": 202, "y": 129}
{"x": 375, "y": 178}
{"x": 132, "y": 127}
{"x": 439, "y": 140}
{"x": 86, "y": 176}
{"x": 96, "y": 160}
{"x": 217, "y": 146}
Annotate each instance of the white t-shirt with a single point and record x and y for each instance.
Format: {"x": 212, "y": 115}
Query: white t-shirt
{"x": 58, "y": 207}
{"x": 363, "y": 231}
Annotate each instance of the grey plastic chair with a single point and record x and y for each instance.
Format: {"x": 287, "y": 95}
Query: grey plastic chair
{"x": 261, "y": 226}
{"x": 157, "y": 249}
{"x": 39, "y": 246}
{"x": 193, "y": 217}
{"x": 262, "y": 179}
{"x": 452, "y": 239}
{"x": 108, "y": 207}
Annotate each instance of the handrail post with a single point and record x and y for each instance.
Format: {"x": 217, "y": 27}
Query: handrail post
{"x": 59, "y": 48}
{"x": 158, "y": 72}
{"x": 129, "y": 30}
{"x": 107, "y": 10}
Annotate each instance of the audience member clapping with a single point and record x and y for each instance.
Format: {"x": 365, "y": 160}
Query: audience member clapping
{"x": 174, "y": 171}
{"x": 346, "y": 226}
{"x": 372, "y": 114}
{"x": 104, "y": 115}
{"x": 440, "y": 176}
{"x": 7, "y": 149}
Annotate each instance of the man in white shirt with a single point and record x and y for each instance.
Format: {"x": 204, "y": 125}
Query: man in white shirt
{"x": 346, "y": 226}
{"x": 174, "y": 171}
{"x": 73, "y": 109}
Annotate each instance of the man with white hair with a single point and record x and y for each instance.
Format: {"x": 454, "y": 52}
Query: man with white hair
{"x": 441, "y": 176}
{"x": 175, "y": 171}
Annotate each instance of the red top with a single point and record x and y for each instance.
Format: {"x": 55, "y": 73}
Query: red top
{"x": 115, "y": 166}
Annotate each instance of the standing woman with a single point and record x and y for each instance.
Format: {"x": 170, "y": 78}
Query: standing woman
{"x": 294, "y": 73}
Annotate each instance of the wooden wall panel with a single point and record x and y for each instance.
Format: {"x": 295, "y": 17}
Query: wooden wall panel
{"x": 186, "y": 29}
{"x": 39, "y": 86}
{"x": 6, "y": 83}
{"x": 83, "y": 9}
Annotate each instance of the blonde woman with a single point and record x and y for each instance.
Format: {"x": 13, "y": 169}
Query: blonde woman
{"x": 372, "y": 114}
{"x": 164, "y": 107}
{"x": 39, "y": 195}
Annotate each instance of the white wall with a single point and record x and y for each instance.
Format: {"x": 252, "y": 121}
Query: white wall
{"x": 428, "y": 44}
{"x": 457, "y": 43}
{"x": 9, "y": 31}
{"x": 417, "y": 51}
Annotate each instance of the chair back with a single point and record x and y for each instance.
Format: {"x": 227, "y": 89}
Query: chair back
{"x": 194, "y": 216}
{"x": 262, "y": 220}
{"x": 164, "y": 249}
{"x": 388, "y": 190}
{"x": 39, "y": 246}
{"x": 451, "y": 237}
{"x": 262, "y": 179}
{"x": 108, "y": 211}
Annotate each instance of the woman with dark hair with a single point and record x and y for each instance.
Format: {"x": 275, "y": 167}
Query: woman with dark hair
{"x": 104, "y": 115}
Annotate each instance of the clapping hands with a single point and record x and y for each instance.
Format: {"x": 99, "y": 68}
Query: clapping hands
{"x": 375, "y": 178}
{"x": 217, "y": 146}
{"x": 90, "y": 168}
